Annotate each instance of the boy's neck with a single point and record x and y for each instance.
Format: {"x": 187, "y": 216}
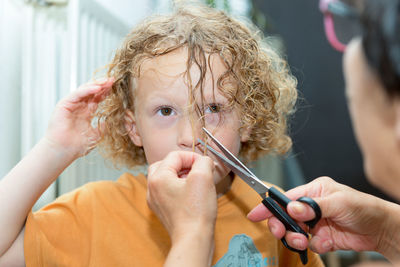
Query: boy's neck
{"x": 224, "y": 185}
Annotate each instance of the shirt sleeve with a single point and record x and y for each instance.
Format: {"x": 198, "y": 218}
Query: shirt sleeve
{"x": 58, "y": 234}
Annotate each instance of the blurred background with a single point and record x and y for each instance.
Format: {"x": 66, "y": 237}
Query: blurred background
{"x": 49, "y": 47}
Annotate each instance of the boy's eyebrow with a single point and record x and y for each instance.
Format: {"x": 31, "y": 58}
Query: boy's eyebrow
{"x": 162, "y": 96}
{"x": 218, "y": 98}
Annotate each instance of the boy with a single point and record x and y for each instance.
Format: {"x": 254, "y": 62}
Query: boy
{"x": 172, "y": 75}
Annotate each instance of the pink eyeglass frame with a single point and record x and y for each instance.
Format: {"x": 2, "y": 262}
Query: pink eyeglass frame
{"x": 330, "y": 26}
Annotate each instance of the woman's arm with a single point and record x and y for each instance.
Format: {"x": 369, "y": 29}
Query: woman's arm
{"x": 193, "y": 249}
{"x": 187, "y": 207}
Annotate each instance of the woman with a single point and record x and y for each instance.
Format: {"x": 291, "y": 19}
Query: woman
{"x": 353, "y": 220}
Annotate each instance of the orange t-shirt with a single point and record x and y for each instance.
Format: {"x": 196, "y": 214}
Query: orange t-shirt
{"x": 108, "y": 223}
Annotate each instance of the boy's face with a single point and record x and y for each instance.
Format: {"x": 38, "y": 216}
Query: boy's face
{"x": 162, "y": 121}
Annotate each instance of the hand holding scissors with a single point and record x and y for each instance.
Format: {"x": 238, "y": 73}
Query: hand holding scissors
{"x": 275, "y": 197}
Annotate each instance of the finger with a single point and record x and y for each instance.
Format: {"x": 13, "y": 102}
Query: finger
{"x": 320, "y": 245}
{"x": 324, "y": 191}
{"x": 259, "y": 213}
{"x": 155, "y": 180}
{"x": 153, "y": 168}
{"x": 276, "y": 227}
{"x": 203, "y": 167}
{"x": 106, "y": 81}
{"x": 312, "y": 189}
{"x": 200, "y": 180}
{"x": 331, "y": 206}
{"x": 101, "y": 94}
{"x": 178, "y": 160}
{"x": 83, "y": 92}
{"x": 296, "y": 240}
{"x": 92, "y": 107}
{"x": 300, "y": 211}
{"x": 89, "y": 89}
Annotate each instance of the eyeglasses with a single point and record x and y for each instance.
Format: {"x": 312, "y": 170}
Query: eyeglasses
{"x": 341, "y": 21}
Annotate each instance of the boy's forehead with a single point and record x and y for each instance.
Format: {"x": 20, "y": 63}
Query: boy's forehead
{"x": 174, "y": 65}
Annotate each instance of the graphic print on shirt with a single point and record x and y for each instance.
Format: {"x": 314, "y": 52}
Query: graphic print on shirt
{"x": 243, "y": 253}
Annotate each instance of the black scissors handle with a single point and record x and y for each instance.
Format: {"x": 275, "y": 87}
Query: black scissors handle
{"x": 271, "y": 202}
{"x": 283, "y": 200}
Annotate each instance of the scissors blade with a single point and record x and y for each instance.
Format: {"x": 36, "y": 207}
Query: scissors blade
{"x": 247, "y": 177}
{"x": 227, "y": 153}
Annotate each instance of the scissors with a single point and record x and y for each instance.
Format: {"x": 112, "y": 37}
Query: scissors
{"x": 275, "y": 197}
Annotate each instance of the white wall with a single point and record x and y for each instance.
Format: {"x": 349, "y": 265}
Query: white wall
{"x": 129, "y": 11}
{"x": 10, "y": 77}
{"x": 132, "y": 12}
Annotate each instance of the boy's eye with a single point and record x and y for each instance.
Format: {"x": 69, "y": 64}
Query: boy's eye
{"x": 165, "y": 111}
{"x": 213, "y": 108}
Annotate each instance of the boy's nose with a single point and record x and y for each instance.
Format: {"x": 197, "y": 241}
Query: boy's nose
{"x": 188, "y": 133}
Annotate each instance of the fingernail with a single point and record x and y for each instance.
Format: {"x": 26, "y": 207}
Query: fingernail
{"x": 297, "y": 207}
{"x": 298, "y": 243}
{"x": 327, "y": 245}
{"x": 94, "y": 87}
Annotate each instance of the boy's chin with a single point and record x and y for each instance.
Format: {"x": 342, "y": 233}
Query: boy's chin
{"x": 222, "y": 173}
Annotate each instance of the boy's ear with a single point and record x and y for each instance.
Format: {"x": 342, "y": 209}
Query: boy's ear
{"x": 245, "y": 134}
{"x": 130, "y": 126}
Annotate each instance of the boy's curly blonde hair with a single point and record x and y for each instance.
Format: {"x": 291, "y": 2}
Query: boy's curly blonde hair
{"x": 264, "y": 93}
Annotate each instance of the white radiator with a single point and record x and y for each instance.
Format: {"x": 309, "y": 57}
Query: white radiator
{"x": 62, "y": 48}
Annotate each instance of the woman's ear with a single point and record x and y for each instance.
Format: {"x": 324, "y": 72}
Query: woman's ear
{"x": 130, "y": 126}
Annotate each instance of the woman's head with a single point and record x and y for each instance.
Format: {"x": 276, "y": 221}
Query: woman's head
{"x": 368, "y": 32}
{"x": 372, "y": 74}
{"x": 381, "y": 41}
{"x": 377, "y": 23}
{"x": 255, "y": 81}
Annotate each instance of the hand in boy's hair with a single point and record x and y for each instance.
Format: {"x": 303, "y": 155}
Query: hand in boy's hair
{"x": 70, "y": 129}
{"x": 182, "y": 193}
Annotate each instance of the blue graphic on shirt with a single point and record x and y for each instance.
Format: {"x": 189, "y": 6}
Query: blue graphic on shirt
{"x": 243, "y": 253}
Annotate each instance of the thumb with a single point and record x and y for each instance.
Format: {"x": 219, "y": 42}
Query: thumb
{"x": 203, "y": 168}
{"x": 302, "y": 212}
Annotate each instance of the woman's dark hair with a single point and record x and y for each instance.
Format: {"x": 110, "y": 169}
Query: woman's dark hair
{"x": 381, "y": 41}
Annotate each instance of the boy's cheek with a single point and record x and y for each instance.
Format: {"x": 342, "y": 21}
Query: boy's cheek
{"x": 162, "y": 122}
{"x": 155, "y": 152}
{"x": 158, "y": 147}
